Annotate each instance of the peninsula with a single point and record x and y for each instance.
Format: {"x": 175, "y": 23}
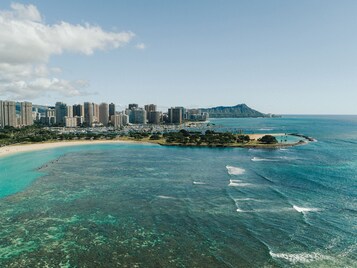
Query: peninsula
{"x": 222, "y": 139}
{"x": 33, "y": 139}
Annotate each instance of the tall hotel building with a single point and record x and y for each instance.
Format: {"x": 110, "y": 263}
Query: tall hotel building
{"x": 69, "y": 111}
{"x": 88, "y": 113}
{"x": 26, "y": 114}
{"x": 150, "y": 108}
{"x": 50, "y": 117}
{"x": 152, "y": 116}
{"x": 111, "y": 109}
{"x": 104, "y": 113}
{"x": 8, "y": 114}
{"x": 78, "y": 110}
{"x": 119, "y": 120}
{"x": 175, "y": 115}
{"x": 137, "y": 116}
{"x": 61, "y": 112}
{"x": 95, "y": 112}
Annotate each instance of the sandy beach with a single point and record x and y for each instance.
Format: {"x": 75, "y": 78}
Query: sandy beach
{"x": 258, "y": 136}
{"x": 21, "y": 148}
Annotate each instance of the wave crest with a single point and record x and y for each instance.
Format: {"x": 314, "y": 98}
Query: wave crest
{"x": 304, "y": 210}
{"x": 235, "y": 170}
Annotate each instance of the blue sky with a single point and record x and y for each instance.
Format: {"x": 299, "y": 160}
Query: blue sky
{"x": 296, "y": 57}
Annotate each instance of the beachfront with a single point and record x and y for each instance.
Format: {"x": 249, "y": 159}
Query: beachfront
{"x": 22, "y": 148}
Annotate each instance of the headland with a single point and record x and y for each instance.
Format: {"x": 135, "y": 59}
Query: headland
{"x": 181, "y": 138}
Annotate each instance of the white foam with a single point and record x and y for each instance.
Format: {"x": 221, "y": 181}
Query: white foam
{"x": 235, "y": 181}
{"x": 303, "y": 257}
{"x": 258, "y": 159}
{"x": 248, "y": 199}
{"x": 239, "y": 183}
{"x": 304, "y": 210}
{"x": 239, "y": 210}
{"x": 265, "y": 129}
{"x": 198, "y": 183}
{"x": 235, "y": 170}
{"x": 165, "y": 197}
{"x": 288, "y": 158}
{"x": 279, "y": 210}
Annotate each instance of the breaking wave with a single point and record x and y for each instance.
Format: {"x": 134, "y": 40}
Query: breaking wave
{"x": 304, "y": 257}
{"x": 198, "y": 183}
{"x": 235, "y": 170}
{"x": 258, "y": 159}
{"x": 239, "y": 183}
{"x": 304, "y": 210}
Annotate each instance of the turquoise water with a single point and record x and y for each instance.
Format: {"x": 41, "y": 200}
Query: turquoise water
{"x": 136, "y": 205}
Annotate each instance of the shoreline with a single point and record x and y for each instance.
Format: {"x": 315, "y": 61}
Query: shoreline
{"x": 29, "y": 147}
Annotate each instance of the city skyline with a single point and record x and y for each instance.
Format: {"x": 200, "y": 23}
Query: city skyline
{"x": 276, "y": 56}
{"x": 90, "y": 114}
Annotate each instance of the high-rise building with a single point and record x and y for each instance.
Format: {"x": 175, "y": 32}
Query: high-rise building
{"x": 50, "y": 117}
{"x": 88, "y": 113}
{"x": 69, "y": 111}
{"x": 70, "y": 121}
{"x": 79, "y": 119}
{"x": 2, "y": 116}
{"x": 175, "y": 115}
{"x": 8, "y": 114}
{"x": 133, "y": 106}
{"x": 154, "y": 117}
{"x": 111, "y": 109}
{"x": 50, "y": 112}
{"x": 119, "y": 120}
{"x": 26, "y": 114}
{"x": 104, "y": 113}
{"x": 2, "y": 119}
{"x": 149, "y": 108}
{"x": 95, "y": 112}
{"x": 137, "y": 116}
{"x": 61, "y": 112}
{"x": 78, "y": 110}
{"x": 125, "y": 119}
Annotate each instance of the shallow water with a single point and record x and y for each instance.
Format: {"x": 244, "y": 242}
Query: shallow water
{"x": 127, "y": 205}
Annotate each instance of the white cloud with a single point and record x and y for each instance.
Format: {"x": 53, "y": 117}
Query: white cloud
{"x": 21, "y": 90}
{"x": 141, "y": 46}
{"x": 27, "y": 43}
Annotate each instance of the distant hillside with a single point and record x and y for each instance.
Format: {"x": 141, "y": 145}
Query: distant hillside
{"x": 240, "y": 110}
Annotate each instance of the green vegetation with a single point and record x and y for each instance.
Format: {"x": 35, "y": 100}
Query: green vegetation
{"x": 36, "y": 133}
{"x": 268, "y": 139}
{"x": 138, "y": 135}
{"x": 209, "y": 138}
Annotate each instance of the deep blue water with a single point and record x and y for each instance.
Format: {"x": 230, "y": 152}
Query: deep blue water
{"x": 128, "y": 205}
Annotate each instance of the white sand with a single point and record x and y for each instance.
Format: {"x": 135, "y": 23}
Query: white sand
{"x": 21, "y": 148}
{"x": 258, "y": 136}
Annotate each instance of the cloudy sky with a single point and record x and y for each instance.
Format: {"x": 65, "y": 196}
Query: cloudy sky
{"x": 297, "y": 57}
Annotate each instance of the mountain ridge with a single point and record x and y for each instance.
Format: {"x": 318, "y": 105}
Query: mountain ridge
{"x": 237, "y": 111}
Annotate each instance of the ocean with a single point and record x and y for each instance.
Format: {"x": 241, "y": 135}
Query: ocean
{"x": 145, "y": 205}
